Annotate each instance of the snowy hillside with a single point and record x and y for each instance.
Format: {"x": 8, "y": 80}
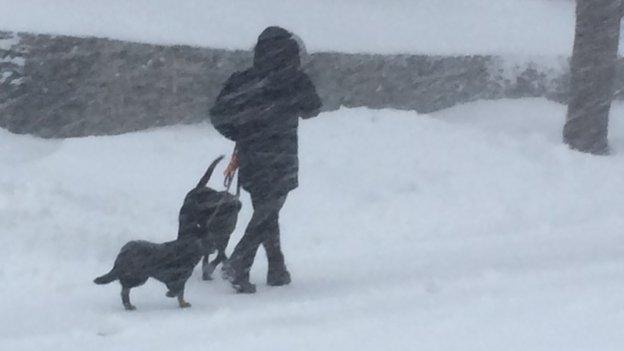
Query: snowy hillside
{"x": 527, "y": 27}
{"x": 470, "y": 229}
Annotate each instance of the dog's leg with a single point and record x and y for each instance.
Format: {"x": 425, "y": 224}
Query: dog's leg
{"x": 221, "y": 256}
{"x": 181, "y": 302}
{"x": 209, "y": 268}
{"x": 206, "y": 271}
{"x": 173, "y": 289}
{"x": 125, "y": 299}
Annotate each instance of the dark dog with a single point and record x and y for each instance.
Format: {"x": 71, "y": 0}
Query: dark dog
{"x": 172, "y": 262}
{"x": 211, "y": 215}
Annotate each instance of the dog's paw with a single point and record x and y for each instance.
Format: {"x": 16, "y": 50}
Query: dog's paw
{"x": 130, "y": 307}
{"x": 185, "y": 304}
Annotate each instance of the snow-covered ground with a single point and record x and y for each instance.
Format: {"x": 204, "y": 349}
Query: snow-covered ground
{"x": 527, "y": 27}
{"x": 469, "y": 229}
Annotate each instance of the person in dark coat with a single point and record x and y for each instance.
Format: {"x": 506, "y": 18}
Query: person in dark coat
{"x": 259, "y": 109}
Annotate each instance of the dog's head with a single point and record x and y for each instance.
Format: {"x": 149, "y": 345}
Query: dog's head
{"x": 207, "y": 213}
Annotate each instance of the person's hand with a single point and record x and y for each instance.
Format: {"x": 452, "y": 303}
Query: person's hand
{"x": 230, "y": 170}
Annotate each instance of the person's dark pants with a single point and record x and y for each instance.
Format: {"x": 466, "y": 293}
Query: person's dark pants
{"x": 263, "y": 228}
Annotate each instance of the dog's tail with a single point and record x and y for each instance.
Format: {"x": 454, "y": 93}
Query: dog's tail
{"x": 204, "y": 180}
{"x": 106, "y": 278}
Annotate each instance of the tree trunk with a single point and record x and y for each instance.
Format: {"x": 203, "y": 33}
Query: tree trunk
{"x": 593, "y": 70}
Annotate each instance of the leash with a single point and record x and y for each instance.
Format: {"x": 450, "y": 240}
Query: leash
{"x": 228, "y": 180}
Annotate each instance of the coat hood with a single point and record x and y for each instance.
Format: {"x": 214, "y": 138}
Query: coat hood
{"x": 276, "y": 50}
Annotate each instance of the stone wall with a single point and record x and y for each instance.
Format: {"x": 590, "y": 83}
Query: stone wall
{"x": 66, "y": 86}
{"x": 60, "y": 86}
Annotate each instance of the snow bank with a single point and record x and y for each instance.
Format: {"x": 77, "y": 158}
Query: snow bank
{"x": 540, "y": 27}
{"x": 471, "y": 229}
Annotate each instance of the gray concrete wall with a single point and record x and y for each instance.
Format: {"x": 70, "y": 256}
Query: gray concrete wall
{"x": 60, "y": 86}
{"x": 69, "y": 86}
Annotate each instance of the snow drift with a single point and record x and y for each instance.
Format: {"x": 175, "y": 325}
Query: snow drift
{"x": 469, "y": 229}
{"x": 443, "y": 27}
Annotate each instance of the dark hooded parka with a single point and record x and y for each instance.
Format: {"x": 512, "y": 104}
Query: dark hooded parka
{"x": 259, "y": 109}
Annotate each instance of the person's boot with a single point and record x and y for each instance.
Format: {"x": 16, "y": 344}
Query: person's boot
{"x": 278, "y": 276}
{"x": 239, "y": 281}
{"x": 243, "y": 286}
